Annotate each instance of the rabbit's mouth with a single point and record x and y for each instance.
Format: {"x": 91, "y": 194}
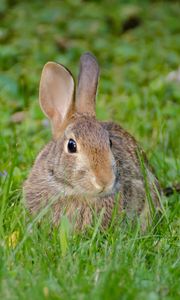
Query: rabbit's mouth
{"x": 111, "y": 191}
{"x": 115, "y": 187}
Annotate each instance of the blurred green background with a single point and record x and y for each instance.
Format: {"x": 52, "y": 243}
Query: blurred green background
{"x": 137, "y": 44}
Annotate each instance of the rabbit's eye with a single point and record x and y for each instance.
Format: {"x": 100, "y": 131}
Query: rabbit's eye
{"x": 72, "y": 147}
{"x": 110, "y": 143}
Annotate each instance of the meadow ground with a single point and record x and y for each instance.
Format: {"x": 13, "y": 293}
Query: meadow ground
{"x": 121, "y": 263}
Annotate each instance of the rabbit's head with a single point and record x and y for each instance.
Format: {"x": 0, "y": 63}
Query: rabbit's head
{"x": 82, "y": 162}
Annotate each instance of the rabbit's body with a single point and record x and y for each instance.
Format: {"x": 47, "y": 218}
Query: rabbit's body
{"x": 88, "y": 162}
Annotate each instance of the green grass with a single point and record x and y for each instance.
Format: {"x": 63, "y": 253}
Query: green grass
{"x": 38, "y": 262}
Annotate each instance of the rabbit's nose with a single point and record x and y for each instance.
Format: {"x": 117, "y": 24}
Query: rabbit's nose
{"x": 96, "y": 184}
{"x": 103, "y": 184}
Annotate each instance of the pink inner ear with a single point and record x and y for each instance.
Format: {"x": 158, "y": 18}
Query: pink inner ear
{"x": 56, "y": 94}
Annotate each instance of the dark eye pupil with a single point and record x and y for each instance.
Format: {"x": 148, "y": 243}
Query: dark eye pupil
{"x": 110, "y": 142}
{"x": 72, "y": 148}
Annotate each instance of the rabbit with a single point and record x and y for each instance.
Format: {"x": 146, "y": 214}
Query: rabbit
{"x": 88, "y": 162}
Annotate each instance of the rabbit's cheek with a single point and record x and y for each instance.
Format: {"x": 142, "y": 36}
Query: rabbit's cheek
{"x": 117, "y": 185}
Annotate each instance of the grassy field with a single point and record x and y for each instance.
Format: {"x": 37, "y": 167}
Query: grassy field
{"x": 121, "y": 263}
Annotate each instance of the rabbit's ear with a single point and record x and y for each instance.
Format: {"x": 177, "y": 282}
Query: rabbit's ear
{"x": 56, "y": 95}
{"x": 87, "y": 84}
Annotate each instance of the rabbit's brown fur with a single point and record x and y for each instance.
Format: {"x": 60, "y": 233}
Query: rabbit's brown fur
{"x": 81, "y": 184}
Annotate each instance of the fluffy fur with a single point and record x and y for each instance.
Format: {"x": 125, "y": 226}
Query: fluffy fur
{"x": 107, "y": 161}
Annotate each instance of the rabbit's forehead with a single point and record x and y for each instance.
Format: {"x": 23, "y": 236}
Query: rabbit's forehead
{"x": 89, "y": 132}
